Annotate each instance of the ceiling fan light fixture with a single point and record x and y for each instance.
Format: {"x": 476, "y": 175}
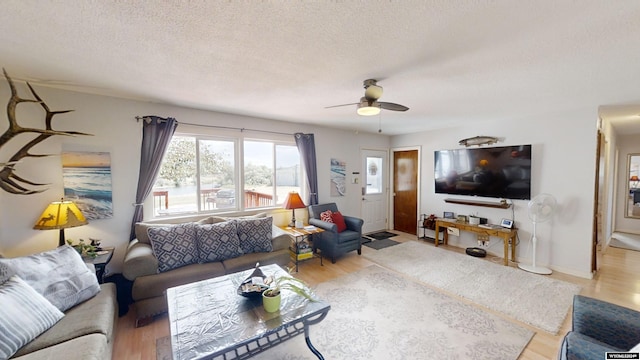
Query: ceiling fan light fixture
{"x": 368, "y": 111}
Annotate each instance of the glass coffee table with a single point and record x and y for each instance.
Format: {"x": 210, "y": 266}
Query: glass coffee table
{"x": 209, "y": 320}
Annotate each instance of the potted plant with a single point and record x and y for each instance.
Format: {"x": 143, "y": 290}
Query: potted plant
{"x": 272, "y": 297}
{"x": 86, "y": 250}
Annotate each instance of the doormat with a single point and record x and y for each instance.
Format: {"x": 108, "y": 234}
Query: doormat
{"x": 381, "y": 244}
{"x": 381, "y": 235}
{"x": 364, "y": 240}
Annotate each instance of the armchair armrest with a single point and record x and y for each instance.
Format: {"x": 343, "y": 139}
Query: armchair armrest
{"x": 576, "y": 346}
{"x": 353, "y": 223}
{"x": 326, "y": 226}
{"x": 608, "y": 323}
{"x": 139, "y": 261}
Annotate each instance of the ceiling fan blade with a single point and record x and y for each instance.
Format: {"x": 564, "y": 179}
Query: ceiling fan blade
{"x": 392, "y": 106}
{"x": 329, "y": 107}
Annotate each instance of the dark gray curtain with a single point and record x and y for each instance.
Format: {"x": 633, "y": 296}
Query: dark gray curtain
{"x": 156, "y": 135}
{"x": 307, "y": 149}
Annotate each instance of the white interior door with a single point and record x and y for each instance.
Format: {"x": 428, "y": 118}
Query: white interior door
{"x": 375, "y": 188}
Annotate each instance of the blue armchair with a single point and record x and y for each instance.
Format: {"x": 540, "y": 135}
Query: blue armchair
{"x": 331, "y": 242}
{"x": 599, "y": 327}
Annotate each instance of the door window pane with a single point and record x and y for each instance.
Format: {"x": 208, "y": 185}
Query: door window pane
{"x": 374, "y": 175}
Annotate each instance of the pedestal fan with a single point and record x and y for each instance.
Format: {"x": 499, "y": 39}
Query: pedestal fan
{"x": 541, "y": 209}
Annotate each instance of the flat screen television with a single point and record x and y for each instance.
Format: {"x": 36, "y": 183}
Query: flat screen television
{"x": 494, "y": 172}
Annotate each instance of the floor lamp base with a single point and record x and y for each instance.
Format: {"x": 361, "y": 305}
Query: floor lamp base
{"x": 535, "y": 269}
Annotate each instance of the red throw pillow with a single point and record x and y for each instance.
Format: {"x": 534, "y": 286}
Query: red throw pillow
{"x": 326, "y": 216}
{"x": 338, "y": 219}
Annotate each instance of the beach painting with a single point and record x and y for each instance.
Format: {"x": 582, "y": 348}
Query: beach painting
{"x": 87, "y": 182}
{"x": 338, "y": 178}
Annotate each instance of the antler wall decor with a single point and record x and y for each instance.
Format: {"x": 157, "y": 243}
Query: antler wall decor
{"x": 9, "y": 180}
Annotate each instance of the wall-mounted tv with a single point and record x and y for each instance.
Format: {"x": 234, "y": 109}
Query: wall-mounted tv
{"x": 496, "y": 172}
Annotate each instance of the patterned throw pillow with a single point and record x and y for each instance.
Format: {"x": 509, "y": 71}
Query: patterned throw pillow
{"x": 217, "y": 242}
{"x": 60, "y": 275}
{"x": 24, "y": 314}
{"x": 174, "y": 246}
{"x": 255, "y": 234}
{"x": 338, "y": 219}
{"x": 326, "y": 216}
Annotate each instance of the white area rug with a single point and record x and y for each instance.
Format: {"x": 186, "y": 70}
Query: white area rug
{"x": 378, "y": 314}
{"x": 537, "y": 300}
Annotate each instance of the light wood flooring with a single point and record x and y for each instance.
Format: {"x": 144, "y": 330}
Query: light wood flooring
{"x": 617, "y": 281}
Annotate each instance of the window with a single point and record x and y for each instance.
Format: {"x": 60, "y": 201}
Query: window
{"x": 203, "y": 174}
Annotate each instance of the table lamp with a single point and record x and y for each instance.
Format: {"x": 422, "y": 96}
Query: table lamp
{"x": 293, "y": 202}
{"x": 634, "y": 179}
{"x": 60, "y": 215}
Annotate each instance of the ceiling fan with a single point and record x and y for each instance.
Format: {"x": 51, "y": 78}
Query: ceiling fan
{"x": 369, "y": 104}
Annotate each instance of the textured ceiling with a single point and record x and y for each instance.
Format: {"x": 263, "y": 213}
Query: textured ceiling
{"x": 450, "y": 62}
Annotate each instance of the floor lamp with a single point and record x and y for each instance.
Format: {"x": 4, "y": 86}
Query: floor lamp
{"x": 60, "y": 215}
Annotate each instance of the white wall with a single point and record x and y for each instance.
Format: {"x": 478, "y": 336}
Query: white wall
{"x": 627, "y": 144}
{"x": 112, "y": 121}
{"x": 563, "y": 164}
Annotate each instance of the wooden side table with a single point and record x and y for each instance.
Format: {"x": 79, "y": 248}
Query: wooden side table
{"x": 101, "y": 261}
{"x": 299, "y": 235}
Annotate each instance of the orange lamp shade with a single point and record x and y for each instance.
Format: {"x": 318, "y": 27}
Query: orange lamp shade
{"x": 293, "y": 201}
{"x": 634, "y": 178}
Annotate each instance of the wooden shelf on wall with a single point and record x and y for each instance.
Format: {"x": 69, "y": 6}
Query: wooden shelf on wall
{"x": 498, "y": 205}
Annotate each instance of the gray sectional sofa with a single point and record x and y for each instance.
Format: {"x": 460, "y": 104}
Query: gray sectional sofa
{"x": 52, "y": 307}
{"x": 151, "y": 278}
{"x": 85, "y": 332}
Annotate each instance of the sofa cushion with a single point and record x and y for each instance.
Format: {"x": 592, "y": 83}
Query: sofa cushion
{"x": 95, "y": 316}
{"x": 154, "y": 285}
{"x": 248, "y": 261}
{"x": 174, "y": 246}
{"x": 60, "y": 275}
{"x": 255, "y": 234}
{"x": 337, "y": 219}
{"x": 93, "y": 347}
{"x": 217, "y": 242}
{"x": 24, "y": 314}
{"x": 142, "y": 231}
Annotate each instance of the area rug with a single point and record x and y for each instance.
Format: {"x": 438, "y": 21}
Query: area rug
{"x": 364, "y": 240}
{"x": 381, "y": 244}
{"x": 379, "y": 314}
{"x": 537, "y": 300}
{"x": 381, "y": 235}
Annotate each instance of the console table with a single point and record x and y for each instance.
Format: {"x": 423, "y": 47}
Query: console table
{"x": 507, "y": 235}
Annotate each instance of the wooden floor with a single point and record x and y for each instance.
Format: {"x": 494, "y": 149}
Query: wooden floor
{"x": 617, "y": 281}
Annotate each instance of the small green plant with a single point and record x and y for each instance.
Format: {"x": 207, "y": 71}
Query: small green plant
{"x": 287, "y": 282}
{"x": 84, "y": 249}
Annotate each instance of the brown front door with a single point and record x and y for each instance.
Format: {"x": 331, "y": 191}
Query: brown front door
{"x": 405, "y": 191}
